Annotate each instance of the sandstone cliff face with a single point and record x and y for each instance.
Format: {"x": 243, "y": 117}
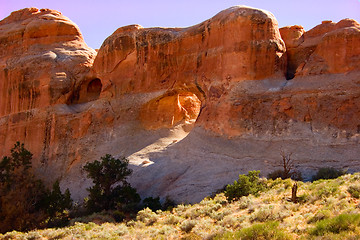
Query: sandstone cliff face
{"x": 191, "y": 108}
{"x": 42, "y": 56}
{"x": 327, "y": 48}
{"x": 238, "y": 44}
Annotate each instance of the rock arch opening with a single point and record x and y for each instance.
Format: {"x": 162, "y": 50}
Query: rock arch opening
{"x": 171, "y": 109}
{"x": 93, "y": 89}
{"x": 87, "y": 92}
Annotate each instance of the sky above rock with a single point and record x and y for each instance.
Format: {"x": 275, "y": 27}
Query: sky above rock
{"x": 99, "y": 19}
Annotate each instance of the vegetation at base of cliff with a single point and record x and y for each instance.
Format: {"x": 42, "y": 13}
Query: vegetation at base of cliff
{"x": 326, "y": 209}
{"x": 110, "y": 191}
{"x": 25, "y": 203}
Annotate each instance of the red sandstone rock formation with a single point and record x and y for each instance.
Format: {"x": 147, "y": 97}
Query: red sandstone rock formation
{"x": 42, "y": 57}
{"x": 146, "y": 86}
{"x": 238, "y": 44}
{"x": 327, "y": 48}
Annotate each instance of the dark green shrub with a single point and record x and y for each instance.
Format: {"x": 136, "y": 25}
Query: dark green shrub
{"x": 118, "y": 216}
{"x": 245, "y": 185}
{"x": 152, "y": 203}
{"x": 341, "y": 223}
{"x": 55, "y": 204}
{"x": 168, "y": 204}
{"x": 328, "y": 173}
{"x": 354, "y": 191}
{"x": 110, "y": 190}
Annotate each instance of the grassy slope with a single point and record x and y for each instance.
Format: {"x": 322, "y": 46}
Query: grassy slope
{"x": 270, "y": 215}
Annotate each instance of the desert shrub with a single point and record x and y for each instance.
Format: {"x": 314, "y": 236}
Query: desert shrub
{"x": 354, "y": 191}
{"x": 244, "y": 202}
{"x": 152, "y": 203}
{"x": 220, "y": 198}
{"x": 191, "y": 236}
{"x": 231, "y": 221}
{"x": 341, "y": 223}
{"x": 187, "y": 225}
{"x": 219, "y": 215}
{"x": 209, "y": 209}
{"x": 269, "y": 230}
{"x": 173, "y": 220}
{"x": 206, "y": 228}
{"x": 320, "y": 215}
{"x": 323, "y": 189}
{"x": 269, "y": 213}
{"x": 99, "y": 217}
{"x": 110, "y": 189}
{"x": 303, "y": 198}
{"x": 328, "y": 173}
{"x": 245, "y": 185}
{"x": 147, "y": 216}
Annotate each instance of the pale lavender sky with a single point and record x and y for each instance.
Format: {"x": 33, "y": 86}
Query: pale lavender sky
{"x": 98, "y": 19}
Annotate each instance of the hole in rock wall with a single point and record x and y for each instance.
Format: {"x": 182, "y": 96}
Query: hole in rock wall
{"x": 190, "y": 105}
{"x": 171, "y": 109}
{"x": 93, "y": 89}
{"x": 87, "y": 92}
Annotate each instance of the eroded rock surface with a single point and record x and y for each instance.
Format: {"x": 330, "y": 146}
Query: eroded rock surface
{"x": 190, "y": 107}
{"x": 42, "y": 56}
{"x": 327, "y": 48}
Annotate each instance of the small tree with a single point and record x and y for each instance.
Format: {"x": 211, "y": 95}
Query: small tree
{"x": 288, "y": 169}
{"x": 55, "y": 204}
{"x": 25, "y": 203}
{"x": 245, "y": 185}
{"x": 110, "y": 189}
{"x": 21, "y": 193}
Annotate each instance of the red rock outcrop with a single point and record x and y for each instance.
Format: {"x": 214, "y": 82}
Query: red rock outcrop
{"x": 327, "y": 48}
{"x": 42, "y": 56}
{"x": 238, "y": 44}
{"x": 145, "y": 89}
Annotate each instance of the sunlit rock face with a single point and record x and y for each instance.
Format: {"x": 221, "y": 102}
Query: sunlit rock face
{"x": 43, "y": 58}
{"x": 327, "y": 48}
{"x": 238, "y": 44}
{"x": 190, "y": 107}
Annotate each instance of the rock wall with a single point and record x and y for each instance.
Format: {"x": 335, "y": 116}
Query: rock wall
{"x": 43, "y": 58}
{"x": 190, "y": 107}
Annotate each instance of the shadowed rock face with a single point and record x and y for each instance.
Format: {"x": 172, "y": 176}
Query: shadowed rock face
{"x": 190, "y": 107}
